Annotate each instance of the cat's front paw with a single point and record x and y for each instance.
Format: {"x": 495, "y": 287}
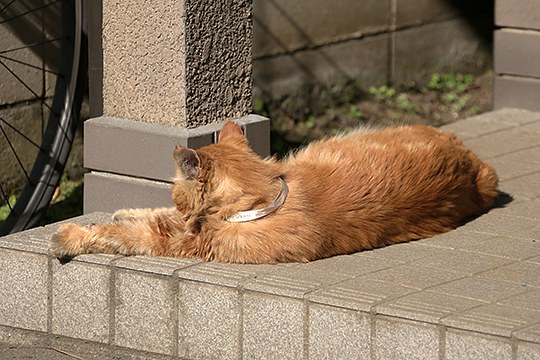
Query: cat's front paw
{"x": 70, "y": 240}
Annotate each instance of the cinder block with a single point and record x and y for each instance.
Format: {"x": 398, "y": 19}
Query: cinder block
{"x": 80, "y": 301}
{"x": 154, "y": 265}
{"x": 108, "y": 192}
{"x": 397, "y": 339}
{"x": 445, "y": 45}
{"x": 23, "y": 290}
{"x": 524, "y": 188}
{"x": 465, "y": 345}
{"x": 527, "y": 351}
{"x": 504, "y": 225}
{"x": 484, "y": 290}
{"x": 358, "y": 294}
{"x": 517, "y": 13}
{"x": 508, "y": 166}
{"x": 517, "y": 92}
{"x": 293, "y": 281}
{"x": 457, "y": 239}
{"x": 529, "y": 209}
{"x": 425, "y": 306}
{"x": 10, "y": 336}
{"x": 463, "y": 263}
{"x": 415, "y": 275}
{"x": 524, "y": 273}
{"x": 500, "y": 320}
{"x": 352, "y": 265}
{"x": 144, "y": 313}
{"x": 286, "y": 26}
{"x": 338, "y": 61}
{"x": 209, "y": 325}
{"x": 519, "y": 249}
{"x": 272, "y": 327}
{"x": 338, "y": 334}
{"x": 528, "y": 299}
{"x": 419, "y": 12}
{"x": 229, "y": 275}
{"x": 515, "y": 51}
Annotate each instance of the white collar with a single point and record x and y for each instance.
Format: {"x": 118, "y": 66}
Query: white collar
{"x": 243, "y": 216}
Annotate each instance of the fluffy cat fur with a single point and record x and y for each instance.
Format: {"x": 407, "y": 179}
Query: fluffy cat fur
{"x": 349, "y": 193}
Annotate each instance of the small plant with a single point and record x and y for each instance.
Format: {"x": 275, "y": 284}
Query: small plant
{"x": 6, "y": 209}
{"x": 458, "y": 83}
{"x": 382, "y": 93}
{"x": 404, "y": 103}
{"x": 355, "y": 112}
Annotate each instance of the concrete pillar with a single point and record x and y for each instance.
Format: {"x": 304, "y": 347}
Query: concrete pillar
{"x": 162, "y": 73}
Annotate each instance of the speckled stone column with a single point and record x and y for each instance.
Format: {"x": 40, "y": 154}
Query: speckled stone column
{"x": 177, "y": 62}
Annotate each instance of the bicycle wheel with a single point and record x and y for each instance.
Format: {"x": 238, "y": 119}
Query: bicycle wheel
{"x": 39, "y": 66}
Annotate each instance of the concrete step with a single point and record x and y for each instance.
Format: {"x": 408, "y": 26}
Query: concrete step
{"x": 472, "y": 293}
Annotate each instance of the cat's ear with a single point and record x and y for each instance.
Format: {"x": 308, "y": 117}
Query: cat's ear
{"x": 229, "y": 130}
{"x": 188, "y": 162}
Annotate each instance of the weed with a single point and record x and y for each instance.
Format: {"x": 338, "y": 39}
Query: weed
{"x": 404, "y": 103}
{"x": 355, "y": 113}
{"x": 382, "y": 93}
{"x": 5, "y": 209}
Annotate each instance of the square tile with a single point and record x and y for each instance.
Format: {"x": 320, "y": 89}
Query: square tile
{"x": 485, "y": 290}
{"x": 463, "y": 262}
{"x": 465, "y": 345}
{"x": 514, "y": 248}
{"x": 338, "y": 334}
{"x": 525, "y": 273}
{"x": 273, "y": 327}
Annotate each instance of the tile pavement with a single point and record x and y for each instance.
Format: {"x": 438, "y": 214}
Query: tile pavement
{"x": 472, "y": 293}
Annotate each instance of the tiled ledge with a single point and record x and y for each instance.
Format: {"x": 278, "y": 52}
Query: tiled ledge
{"x": 471, "y": 293}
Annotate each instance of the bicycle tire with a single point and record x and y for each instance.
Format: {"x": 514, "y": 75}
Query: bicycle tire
{"x": 60, "y": 129}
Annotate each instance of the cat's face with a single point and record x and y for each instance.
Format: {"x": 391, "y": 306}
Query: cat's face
{"x": 216, "y": 175}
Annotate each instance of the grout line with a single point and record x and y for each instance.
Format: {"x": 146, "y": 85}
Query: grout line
{"x": 306, "y": 329}
{"x": 442, "y": 342}
{"x": 240, "y": 337}
{"x": 174, "y": 284}
{"x": 112, "y": 300}
{"x": 373, "y": 337}
{"x": 49, "y": 293}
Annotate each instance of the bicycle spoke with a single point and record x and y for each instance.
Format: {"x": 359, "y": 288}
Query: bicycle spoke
{"x": 15, "y": 153}
{"x": 31, "y": 45}
{"x": 29, "y": 65}
{"x": 8, "y": 5}
{"x": 27, "y": 12}
{"x": 27, "y": 87}
{"x": 20, "y": 133}
{"x": 6, "y": 198}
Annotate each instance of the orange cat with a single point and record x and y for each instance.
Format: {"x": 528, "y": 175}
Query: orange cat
{"x": 356, "y": 192}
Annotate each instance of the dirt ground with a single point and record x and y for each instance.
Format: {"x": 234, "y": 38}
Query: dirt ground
{"x": 316, "y": 111}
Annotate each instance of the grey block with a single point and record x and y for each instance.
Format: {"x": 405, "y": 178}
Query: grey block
{"x": 338, "y": 334}
{"x": 481, "y": 289}
{"x": 505, "y": 225}
{"x": 23, "y": 290}
{"x": 293, "y": 281}
{"x": 285, "y": 26}
{"x": 526, "y": 300}
{"x": 508, "y": 167}
{"x": 415, "y": 275}
{"x": 108, "y": 192}
{"x": 466, "y": 129}
{"x": 358, "y": 294}
{"x": 419, "y": 12}
{"x": 515, "y": 51}
{"x": 425, "y": 306}
{"x": 230, "y": 275}
{"x": 209, "y": 325}
{"x": 138, "y": 325}
{"x": 523, "y": 188}
{"x": 402, "y": 253}
{"x": 154, "y": 265}
{"x": 33, "y": 240}
{"x": 326, "y": 65}
{"x": 80, "y": 301}
{"x": 463, "y": 262}
{"x": 514, "y": 248}
{"x": 523, "y": 272}
{"x": 527, "y": 351}
{"x": 10, "y": 336}
{"x": 517, "y": 92}
{"x": 351, "y": 265}
{"x": 517, "y": 13}
{"x": 400, "y": 339}
{"x": 76, "y": 348}
{"x": 529, "y": 209}
{"x": 457, "y": 239}
{"x": 272, "y": 327}
{"x": 501, "y": 320}
{"x": 465, "y": 345}
{"x": 530, "y": 333}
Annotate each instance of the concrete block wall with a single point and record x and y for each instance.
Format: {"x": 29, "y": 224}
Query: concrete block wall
{"x": 372, "y": 41}
{"x": 517, "y": 54}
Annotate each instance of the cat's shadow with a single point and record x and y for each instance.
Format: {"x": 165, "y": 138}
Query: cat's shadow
{"x": 501, "y": 201}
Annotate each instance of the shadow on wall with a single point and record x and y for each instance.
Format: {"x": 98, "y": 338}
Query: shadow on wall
{"x": 297, "y": 41}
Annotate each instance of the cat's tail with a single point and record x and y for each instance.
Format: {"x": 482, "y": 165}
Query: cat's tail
{"x": 486, "y": 185}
